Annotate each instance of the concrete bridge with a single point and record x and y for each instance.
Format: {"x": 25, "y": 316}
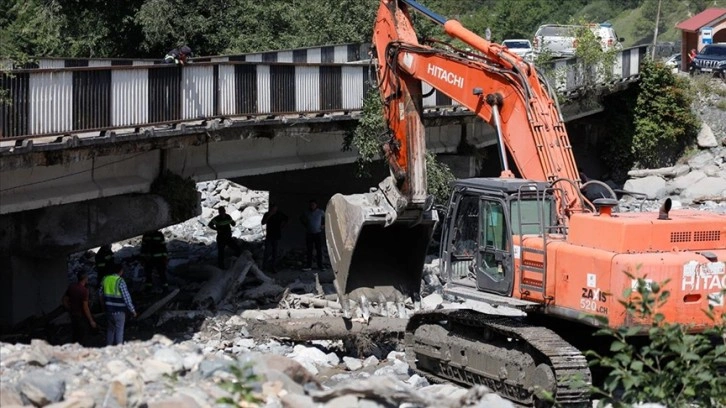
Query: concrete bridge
{"x": 82, "y": 144}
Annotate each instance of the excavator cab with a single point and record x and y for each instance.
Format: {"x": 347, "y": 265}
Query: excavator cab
{"x": 484, "y": 226}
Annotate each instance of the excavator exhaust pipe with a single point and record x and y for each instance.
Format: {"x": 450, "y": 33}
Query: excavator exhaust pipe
{"x": 377, "y": 253}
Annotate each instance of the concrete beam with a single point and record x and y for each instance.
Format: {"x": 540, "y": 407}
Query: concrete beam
{"x": 59, "y": 230}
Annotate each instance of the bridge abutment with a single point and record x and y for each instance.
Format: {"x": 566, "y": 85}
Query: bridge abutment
{"x": 34, "y": 245}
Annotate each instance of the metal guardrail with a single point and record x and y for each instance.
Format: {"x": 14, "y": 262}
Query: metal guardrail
{"x": 340, "y": 53}
{"x": 568, "y": 77}
{"x": 83, "y": 99}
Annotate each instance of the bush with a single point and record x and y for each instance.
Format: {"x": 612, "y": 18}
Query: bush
{"x": 371, "y": 133}
{"x": 674, "y": 367}
{"x": 438, "y": 179}
{"x": 664, "y": 122}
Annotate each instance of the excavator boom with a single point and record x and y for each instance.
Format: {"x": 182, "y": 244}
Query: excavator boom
{"x": 365, "y": 232}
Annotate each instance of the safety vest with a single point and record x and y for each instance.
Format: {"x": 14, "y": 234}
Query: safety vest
{"x": 112, "y": 296}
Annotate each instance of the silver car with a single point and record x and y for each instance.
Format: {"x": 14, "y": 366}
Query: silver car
{"x": 558, "y": 40}
{"x": 521, "y": 47}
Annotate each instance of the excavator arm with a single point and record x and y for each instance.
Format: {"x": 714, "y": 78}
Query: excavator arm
{"x": 499, "y": 86}
{"x": 377, "y": 241}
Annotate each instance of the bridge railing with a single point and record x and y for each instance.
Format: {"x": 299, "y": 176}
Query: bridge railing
{"x": 84, "y": 99}
{"x": 568, "y": 75}
{"x": 327, "y": 54}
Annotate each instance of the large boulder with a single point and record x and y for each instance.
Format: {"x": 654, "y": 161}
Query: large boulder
{"x": 706, "y": 138}
{"x": 701, "y": 159}
{"x": 707, "y": 187}
{"x": 681, "y": 183}
{"x": 652, "y": 186}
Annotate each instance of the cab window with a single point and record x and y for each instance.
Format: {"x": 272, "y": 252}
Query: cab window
{"x": 493, "y": 227}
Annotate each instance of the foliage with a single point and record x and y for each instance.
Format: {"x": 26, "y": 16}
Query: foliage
{"x": 180, "y": 193}
{"x": 674, "y": 367}
{"x": 438, "y": 179}
{"x": 241, "y": 387}
{"x": 664, "y": 121}
{"x": 370, "y": 133}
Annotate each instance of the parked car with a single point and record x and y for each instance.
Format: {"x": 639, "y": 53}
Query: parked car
{"x": 674, "y": 62}
{"x": 711, "y": 60}
{"x": 607, "y": 36}
{"x": 560, "y": 40}
{"x": 521, "y": 47}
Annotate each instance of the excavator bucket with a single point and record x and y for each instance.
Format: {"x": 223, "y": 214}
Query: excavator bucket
{"x": 377, "y": 253}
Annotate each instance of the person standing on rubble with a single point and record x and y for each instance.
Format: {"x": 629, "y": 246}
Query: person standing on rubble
{"x": 223, "y": 224}
{"x": 275, "y": 220}
{"x": 116, "y": 300}
{"x": 75, "y": 300}
{"x": 104, "y": 259}
{"x": 313, "y": 219}
{"x": 155, "y": 257}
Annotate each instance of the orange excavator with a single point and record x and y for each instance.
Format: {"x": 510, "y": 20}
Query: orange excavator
{"x": 533, "y": 243}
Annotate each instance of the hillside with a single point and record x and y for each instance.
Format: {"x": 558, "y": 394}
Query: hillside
{"x": 149, "y": 28}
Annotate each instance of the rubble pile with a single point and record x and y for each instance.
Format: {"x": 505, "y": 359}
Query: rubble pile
{"x": 699, "y": 178}
{"x": 241, "y": 371}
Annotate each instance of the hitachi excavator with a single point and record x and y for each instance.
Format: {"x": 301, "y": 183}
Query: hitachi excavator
{"x": 532, "y": 243}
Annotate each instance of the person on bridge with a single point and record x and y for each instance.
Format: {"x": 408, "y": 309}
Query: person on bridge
{"x": 116, "y": 301}
{"x": 313, "y": 219}
{"x": 155, "y": 257}
{"x": 223, "y": 224}
{"x": 104, "y": 259}
{"x": 75, "y": 300}
{"x": 178, "y": 56}
{"x": 275, "y": 220}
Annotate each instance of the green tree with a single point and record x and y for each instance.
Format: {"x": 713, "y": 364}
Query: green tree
{"x": 664, "y": 121}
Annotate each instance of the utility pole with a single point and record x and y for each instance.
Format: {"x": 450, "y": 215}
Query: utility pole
{"x": 655, "y": 33}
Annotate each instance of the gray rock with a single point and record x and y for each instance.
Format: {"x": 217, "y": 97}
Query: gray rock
{"x": 396, "y": 355}
{"x": 9, "y": 396}
{"x": 178, "y": 401}
{"x": 254, "y": 222}
{"x": 706, "y": 137}
{"x": 708, "y": 187}
{"x": 432, "y": 301}
{"x": 133, "y": 386}
{"x": 417, "y": 381}
{"x": 444, "y": 391}
{"x": 668, "y": 172}
{"x": 333, "y": 359}
{"x": 652, "y": 186}
{"x": 681, "y": 183}
{"x": 701, "y": 159}
{"x": 352, "y": 364}
{"x": 249, "y": 211}
{"x": 397, "y": 369}
{"x": 115, "y": 367}
{"x": 209, "y": 367}
{"x": 235, "y": 196}
{"x": 171, "y": 357}
{"x": 296, "y": 401}
{"x": 712, "y": 170}
{"x": 153, "y": 370}
{"x": 345, "y": 401}
{"x": 236, "y": 214}
{"x": 370, "y": 361}
{"x": 42, "y": 389}
{"x": 74, "y": 402}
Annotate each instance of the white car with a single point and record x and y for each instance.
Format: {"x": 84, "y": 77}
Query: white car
{"x": 674, "y": 62}
{"x": 521, "y": 47}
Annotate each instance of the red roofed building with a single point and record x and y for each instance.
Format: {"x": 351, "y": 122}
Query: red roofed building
{"x": 691, "y": 31}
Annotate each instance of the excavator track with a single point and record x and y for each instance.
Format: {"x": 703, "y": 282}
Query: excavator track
{"x": 513, "y": 358}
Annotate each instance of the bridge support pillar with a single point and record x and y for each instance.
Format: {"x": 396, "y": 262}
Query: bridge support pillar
{"x": 30, "y": 286}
